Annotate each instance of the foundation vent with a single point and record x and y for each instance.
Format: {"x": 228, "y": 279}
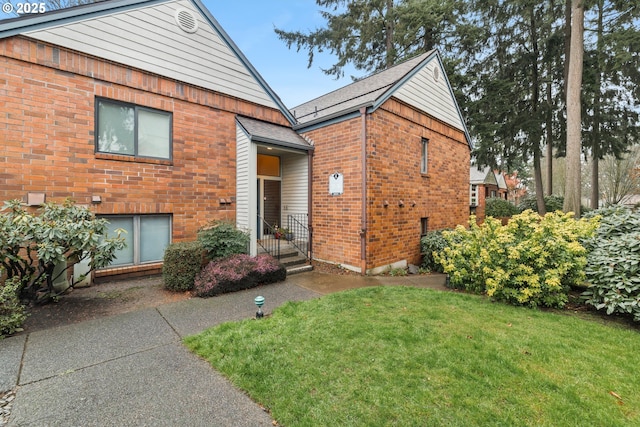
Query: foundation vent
{"x": 186, "y": 21}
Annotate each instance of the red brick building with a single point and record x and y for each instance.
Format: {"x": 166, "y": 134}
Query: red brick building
{"x": 397, "y": 144}
{"x": 147, "y": 112}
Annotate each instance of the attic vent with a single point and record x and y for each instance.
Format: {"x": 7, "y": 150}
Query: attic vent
{"x": 436, "y": 74}
{"x": 186, "y": 21}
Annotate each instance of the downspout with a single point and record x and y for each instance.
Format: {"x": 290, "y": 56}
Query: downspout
{"x": 310, "y": 204}
{"x": 363, "y": 228}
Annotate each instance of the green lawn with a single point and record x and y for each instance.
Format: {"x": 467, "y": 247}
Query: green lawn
{"x": 400, "y": 356}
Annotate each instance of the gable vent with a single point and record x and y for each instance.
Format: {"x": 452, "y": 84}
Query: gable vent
{"x": 186, "y": 21}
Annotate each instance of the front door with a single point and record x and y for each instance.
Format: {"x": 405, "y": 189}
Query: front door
{"x": 269, "y": 202}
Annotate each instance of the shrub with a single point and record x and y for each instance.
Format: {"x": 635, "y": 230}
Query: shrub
{"x": 552, "y": 203}
{"x": 613, "y": 263}
{"x": 222, "y": 239}
{"x": 12, "y": 312}
{"x": 182, "y": 262}
{"x": 531, "y": 261}
{"x": 432, "y": 242}
{"x": 500, "y": 208}
{"x": 32, "y": 245}
{"x": 236, "y": 273}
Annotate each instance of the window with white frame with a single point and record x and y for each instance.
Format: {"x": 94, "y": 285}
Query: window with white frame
{"x": 146, "y": 238}
{"x": 132, "y": 130}
{"x": 424, "y": 155}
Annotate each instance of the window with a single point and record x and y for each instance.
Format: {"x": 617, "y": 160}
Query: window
{"x": 424, "y": 156}
{"x": 132, "y": 130}
{"x": 146, "y": 237}
{"x": 424, "y": 226}
{"x": 268, "y": 165}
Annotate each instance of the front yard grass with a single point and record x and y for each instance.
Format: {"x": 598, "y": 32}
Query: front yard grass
{"x": 399, "y": 356}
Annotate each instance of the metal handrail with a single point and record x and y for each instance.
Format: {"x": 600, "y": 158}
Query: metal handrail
{"x": 296, "y": 223}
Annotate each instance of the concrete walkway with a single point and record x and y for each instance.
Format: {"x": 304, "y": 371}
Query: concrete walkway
{"x": 132, "y": 370}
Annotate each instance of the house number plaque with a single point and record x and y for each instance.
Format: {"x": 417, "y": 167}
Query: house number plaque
{"x": 336, "y": 184}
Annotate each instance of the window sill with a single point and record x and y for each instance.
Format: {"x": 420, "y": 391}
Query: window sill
{"x": 113, "y": 271}
{"x": 133, "y": 159}
{"x": 425, "y": 175}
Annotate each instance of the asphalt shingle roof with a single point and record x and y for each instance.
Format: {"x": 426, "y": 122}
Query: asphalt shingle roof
{"x": 361, "y": 93}
{"x": 274, "y": 134}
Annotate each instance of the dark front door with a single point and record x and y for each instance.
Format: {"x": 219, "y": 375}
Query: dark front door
{"x": 271, "y": 207}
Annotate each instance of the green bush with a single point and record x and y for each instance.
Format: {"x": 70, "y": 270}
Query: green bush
{"x": 531, "y": 261}
{"x": 551, "y": 203}
{"x": 182, "y": 262}
{"x": 12, "y": 312}
{"x": 500, "y": 208}
{"x": 31, "y": 246}
{"x": 432, "y": 242}
{"x": 613, "y": 263}
{"x": 236, "y": 273}
{"x": 222, "y": 239}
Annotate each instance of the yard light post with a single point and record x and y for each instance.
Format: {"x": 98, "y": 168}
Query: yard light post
{"x": 259, "y": 300}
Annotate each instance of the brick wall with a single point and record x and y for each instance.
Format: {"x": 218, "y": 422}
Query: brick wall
{"x": 441, "y": 195}
{"x": 337, "y": 220}
{"x": 394, "y": 138}
{"x": 47, "y": 99}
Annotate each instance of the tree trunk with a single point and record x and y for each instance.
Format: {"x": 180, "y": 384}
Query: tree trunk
{"x": 549, "y": 134}
{"x": 390, "y": 59}
{"x": 597, "y": 106}
{"x": 537, "y": 175}
{"x": 572, "y": 193}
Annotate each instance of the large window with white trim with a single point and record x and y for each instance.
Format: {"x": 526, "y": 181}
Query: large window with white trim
{"x": 146, "y": 237}
{"x": 132, "y": 130}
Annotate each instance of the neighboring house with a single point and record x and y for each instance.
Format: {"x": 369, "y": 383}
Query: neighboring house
{"x": 391, "y": 162}
{"x": 483, "y": 185}
{"x": 503, "y": 191}
{"x": 146, "y": 111}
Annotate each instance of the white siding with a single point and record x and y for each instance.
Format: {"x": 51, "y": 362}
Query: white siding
{"x": 295, "y": 185}
{"x": 149, "y": 39}
{"x": 433, "y": 97}
{"x": 246, "y": 209}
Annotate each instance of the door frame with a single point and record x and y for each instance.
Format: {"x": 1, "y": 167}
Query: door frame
{"x": 261, "y": 202}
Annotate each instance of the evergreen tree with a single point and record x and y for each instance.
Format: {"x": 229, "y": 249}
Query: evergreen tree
{"x": 373, "y": 35}
{"x": 610, "y": 82}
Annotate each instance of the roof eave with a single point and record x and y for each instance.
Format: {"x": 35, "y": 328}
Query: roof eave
{"x": 283, "y": 144}
{"x": 346, "y": 114}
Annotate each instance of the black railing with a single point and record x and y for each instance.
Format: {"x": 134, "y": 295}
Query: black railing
{"x": 275, "y": 240}
{"x": 270, "y": 241}
{"x": 297, "y": 224}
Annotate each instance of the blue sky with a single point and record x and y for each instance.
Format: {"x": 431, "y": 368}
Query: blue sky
{"x": 250, "y": 24}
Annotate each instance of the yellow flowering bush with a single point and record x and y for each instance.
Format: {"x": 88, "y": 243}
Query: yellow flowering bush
{"x": 530, "y": 261}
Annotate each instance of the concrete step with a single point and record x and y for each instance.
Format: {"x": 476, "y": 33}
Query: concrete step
{"x": 298, "y": 269}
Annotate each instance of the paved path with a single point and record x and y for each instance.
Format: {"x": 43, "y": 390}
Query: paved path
{"x": 132, "y": 370}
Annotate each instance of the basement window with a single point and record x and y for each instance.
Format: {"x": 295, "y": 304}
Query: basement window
{"x": 146, "y": 238}
{"x": 424, "y": 226}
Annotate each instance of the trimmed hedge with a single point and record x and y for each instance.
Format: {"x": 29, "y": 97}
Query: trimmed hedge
{"x": 182, "y": 262}
{"x": 236, "y": 273}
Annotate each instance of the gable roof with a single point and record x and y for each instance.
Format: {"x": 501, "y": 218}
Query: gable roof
{"x": 145, "y": 34}
{"x": 273, "y": 134}
{"x": 482, "y": 175}
{"x": 414, "y": 81}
